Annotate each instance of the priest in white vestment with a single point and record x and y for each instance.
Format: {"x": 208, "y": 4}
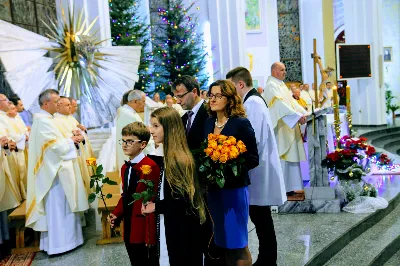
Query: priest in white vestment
{"x": 305, "y": 94}
{"x": 9, "y": 161}
{"x": 20, "y": 134}
{"x": 56, "y": 194}
{"x": 67, "y": 125}
{"x": 286, "y": 115}
{"x": 169, "y": 101}
{"x": 267, "y": 186}
{"x": 127, "y": 114}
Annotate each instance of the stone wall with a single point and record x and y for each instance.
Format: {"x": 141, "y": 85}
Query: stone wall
{"x": 28, "y": 14}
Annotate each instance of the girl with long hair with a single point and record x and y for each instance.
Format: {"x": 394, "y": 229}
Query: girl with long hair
{"x": 179, "y": 205}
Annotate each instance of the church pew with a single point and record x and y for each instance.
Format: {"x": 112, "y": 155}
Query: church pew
{"x": 18, "y": 217}
{"x": 107, "y": 237}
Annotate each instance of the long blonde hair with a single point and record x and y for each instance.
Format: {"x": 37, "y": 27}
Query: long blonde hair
{"x": 180, "y": 170}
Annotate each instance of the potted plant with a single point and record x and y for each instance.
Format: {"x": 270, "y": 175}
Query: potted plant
{"x": 389, "y": 106}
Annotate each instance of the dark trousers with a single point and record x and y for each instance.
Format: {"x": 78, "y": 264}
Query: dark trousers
{"x": 140, "y": 255}
{"x": 262, "y": 219}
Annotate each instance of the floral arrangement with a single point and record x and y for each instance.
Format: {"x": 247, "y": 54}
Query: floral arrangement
{"x": 354, "y": 143}
{"x": 351, "y": 190}
{"x": 355, "y": 159}
{"x": 218, "y": 154}
{"x": 344, "y": 164}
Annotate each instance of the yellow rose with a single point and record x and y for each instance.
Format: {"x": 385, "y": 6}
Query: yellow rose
{"x": 223, "y": 158}
{"x": 225, "y": 150}
{"x": 211, "y": 137}
{"x": 208, "y": 151}
{"x": 146, "y": 169}
{"x": 222, "y": 138}
{"x": 234, "y": 152}
{"x": 91, "y": 162}
{"x": 240, "y": 145}
{"x": 215, "y": 156}
{"x": 232, "y": 140}
{"x": 227, "y": 143}
{"x": 212, "y": 144}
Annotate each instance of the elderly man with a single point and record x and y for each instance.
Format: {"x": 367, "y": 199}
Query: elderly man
{"x": 306, "y": 95}
{"x": 127, "y": 114}
{"x": 10, "y": 196}
{"x": 157, "y": 99}
{"x": 19, "y": 132}
{"x": 56, "y": 195}
{"x": 286, "y": 115}
{"x": 169, "y": 101}
{"x": 300, "y": 101}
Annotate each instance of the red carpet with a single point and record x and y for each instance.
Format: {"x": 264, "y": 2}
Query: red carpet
{"x": 18, "y": 260}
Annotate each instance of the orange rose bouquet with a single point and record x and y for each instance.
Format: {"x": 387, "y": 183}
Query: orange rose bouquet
{"x": 218, "y": 154}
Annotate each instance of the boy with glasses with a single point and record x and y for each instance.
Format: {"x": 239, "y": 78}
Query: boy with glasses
{"x": 140, "y": 232}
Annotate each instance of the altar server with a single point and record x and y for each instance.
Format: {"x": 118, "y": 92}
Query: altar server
{"x": 56, "y": 193}
{"x": 286, "y": 115}
{"x": 267, "y": 185}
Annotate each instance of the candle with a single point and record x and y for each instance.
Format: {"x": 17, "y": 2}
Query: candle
{"x": 336, "y": 116}
{"x": 335, "y": 104}
{"x": 348, "y": 99}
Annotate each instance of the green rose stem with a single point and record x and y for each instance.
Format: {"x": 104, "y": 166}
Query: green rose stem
{"x": 95, "y": 182}
{"x": 147, "y": 195}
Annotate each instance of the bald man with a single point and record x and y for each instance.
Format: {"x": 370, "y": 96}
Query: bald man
{"x": 169, "y": 101}
{"x": 287, "y": 116}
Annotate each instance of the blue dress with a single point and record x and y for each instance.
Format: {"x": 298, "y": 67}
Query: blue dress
{"x": 229, "y": 206}
{"x": 229, "y": 210}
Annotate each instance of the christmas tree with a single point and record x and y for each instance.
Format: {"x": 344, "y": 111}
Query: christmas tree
{"x": 128, "y": 28}
{"x": 177, "y": 48}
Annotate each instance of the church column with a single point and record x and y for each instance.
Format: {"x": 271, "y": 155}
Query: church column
{"x": 228, "y": 35}
{"x": 311, "y": 27}
{"x": 363, "y": 23}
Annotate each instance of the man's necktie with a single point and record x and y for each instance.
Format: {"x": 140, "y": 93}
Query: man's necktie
{"x": 189, "y": 121}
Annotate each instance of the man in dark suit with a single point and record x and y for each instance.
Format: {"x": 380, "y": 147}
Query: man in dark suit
{"x": 187, "y": 93}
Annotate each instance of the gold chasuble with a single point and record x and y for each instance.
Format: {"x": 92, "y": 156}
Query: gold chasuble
{"x": 9, "y": 163}
{"x": 281, "y": 104}
{"x": 51, "y": 157}
{"x": 302, "y": 103}
{"x": 19, "y": 132}
{"x": 66, "y": 126}
{"x": 9, "y": 196}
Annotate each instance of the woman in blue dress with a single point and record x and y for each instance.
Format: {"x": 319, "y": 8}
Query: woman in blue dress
{"x": 229, "y": 206}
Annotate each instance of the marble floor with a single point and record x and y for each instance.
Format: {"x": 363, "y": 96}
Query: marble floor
{"x": 300, "y": 236}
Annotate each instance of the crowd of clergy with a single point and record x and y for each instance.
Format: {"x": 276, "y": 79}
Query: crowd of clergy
{"x": 45, "y": 164}
{"x": 58, "y": 146}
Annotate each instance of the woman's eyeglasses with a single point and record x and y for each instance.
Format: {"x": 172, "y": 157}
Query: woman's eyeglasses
{"x": 218, "y": 96}
{"x": 128, "y": 142}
